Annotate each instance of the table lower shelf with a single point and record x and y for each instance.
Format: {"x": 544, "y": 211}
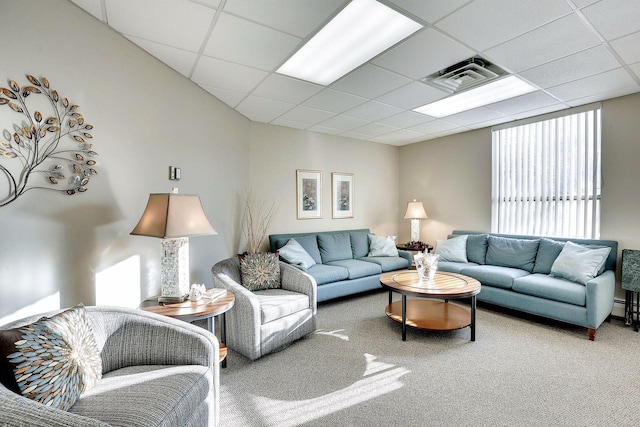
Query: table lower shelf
{"x": 223, "y": 352}
{"x": 433, "y": 315}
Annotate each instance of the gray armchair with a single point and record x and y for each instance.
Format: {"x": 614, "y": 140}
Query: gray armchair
{"x": 264, "y": 321}
{"x": 156, "y": 371}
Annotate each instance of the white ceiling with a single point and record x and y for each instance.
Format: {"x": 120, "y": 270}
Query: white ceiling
{"x": 574, "y": 51}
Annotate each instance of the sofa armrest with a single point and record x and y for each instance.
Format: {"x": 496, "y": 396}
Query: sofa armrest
{"x": 16, "y": 410}
{"x": 406, "y": 255}
{"x": 600, "y": 298}
{"x": 295, "y": 280}
{"x": 130, "y": 337}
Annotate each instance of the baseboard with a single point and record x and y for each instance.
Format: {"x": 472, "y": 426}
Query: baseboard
{"x": 618, "y": 308}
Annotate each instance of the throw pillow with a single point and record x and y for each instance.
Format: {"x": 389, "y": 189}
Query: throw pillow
{"x": 511, "y": 252}
{"x": 294, "y": 253}
{"x": 381, "y": 246}
{"x": 53, "y": 360}
{"x": 334, "y": 246}
{"x": 452, "y": 250}
{"x": 579, "y": 263}
{"x": 477, "y": 247}
{"x": 548, "y": 251}
{"x": 260, "y": 271}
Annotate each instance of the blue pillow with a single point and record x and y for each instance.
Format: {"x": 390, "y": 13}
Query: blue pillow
{"x": 381, "y": 246}
{"x": 477, "y": 248}
{"x": 579, "y": 263}
{"x": 547, "y": 254}
{"x": 294, "y": 254}
{"x": 335, "y": 247}
{"x": 510, "y": 252}
{"x": 452, "y": 250}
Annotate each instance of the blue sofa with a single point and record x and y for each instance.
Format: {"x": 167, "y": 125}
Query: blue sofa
{"x": 510, "y": 280}
{"x": 342, "y": 265}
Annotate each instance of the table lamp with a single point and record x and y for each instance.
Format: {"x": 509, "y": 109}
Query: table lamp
{"x": 173, "y": 218}
{"x": 415, "y": 212}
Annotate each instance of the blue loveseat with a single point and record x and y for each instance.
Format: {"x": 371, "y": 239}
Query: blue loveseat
{"x": 515, "y": 272}
{"x": 342, "y": 265}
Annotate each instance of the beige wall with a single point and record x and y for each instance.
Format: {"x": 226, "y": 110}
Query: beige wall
{"x": 276, "y": 153}
{"x": 452, "y": 176}
{"x": 146, "y": 117}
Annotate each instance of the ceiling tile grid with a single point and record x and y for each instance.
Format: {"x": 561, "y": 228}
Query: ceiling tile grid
{"x": 572, "y": 51}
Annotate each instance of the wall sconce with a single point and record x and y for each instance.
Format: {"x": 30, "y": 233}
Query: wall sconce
{"x": 174, "y": 218}
{"x": 415, "y": 212}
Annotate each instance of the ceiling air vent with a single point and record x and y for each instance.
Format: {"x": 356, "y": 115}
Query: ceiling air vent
{"x": 464, "y": 75}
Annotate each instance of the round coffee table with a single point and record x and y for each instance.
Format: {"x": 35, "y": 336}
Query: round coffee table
{"x": 427, "y": 313}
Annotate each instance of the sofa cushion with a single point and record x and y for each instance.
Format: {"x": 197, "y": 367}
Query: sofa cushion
{"x": 452, "y": 250}
{"x": 477, "y": 247}
{"x": 294, "y": 254}
{"x": 309, "y": 243}
{"x": 328, "y": 273}
{"x": 381, "y": 246}
{"x": 454, "y": 267}
{"x": 260, "y": 271}
{"x": 53, "y": 360}
{"x": 335, "y": 246}
{"x": 358, "y": 268}
{"x": 548, "y": 251}
{"x": 147, "y": 395}
{"x": 388, "y": 263}
{"x": 541, "y": 285}
{"x": 579, "y": 263}
{"x": 359, "y": 243}
{"x": 510, "y": 252}
{"x": 491, "y": 275}
{"x": 278, "y": 303}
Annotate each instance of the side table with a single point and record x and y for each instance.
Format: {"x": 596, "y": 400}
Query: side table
{"x": 631, "y": 284}
{"x": 190, "y": 311}
{"x": 405, "y": 247}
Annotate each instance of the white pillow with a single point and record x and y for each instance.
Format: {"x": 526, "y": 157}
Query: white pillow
{"x": 452, "y": 250}
{"x": 294, "y": 253}
{"x": 382, "y": 246}
{"x": 579, "y": 263}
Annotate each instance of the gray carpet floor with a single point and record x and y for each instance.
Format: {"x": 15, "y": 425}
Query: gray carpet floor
{"x": 356, "y": 371}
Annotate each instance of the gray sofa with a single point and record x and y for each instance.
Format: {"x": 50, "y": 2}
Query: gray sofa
{"x": 343, "y": 266}
{"x": 528, "y": 286}
{"x": 156, "y": 371}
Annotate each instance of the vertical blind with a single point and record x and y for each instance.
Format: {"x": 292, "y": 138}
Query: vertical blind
{"x": 547, "y": 176}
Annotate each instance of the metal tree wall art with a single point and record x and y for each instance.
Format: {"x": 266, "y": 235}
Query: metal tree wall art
{"x": 47, "y": 147}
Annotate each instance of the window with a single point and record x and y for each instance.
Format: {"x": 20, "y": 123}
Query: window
{"x": 547, "y": 175}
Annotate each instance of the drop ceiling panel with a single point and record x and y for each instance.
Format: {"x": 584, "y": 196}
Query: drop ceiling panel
{"x": 229, "y": 97}
{"x": 412, "y": 95}
{"x": 423, "y": 54}
{"x": 486, "y": 23}
{"x": 477, "y": 115}
{"x": 627, "y": 48}
{"x": 614, "y": 18}
{"x": 308, "y": 116}
{"x": 374, "y": 129}
{"x": 430, "y": 11}
{"x": 370, "y": 82}
{"x": 574, "y": 67}
{"x": 92, "y": 6}
{"x": 603, "y": 83}
{"x": 406, "y": 119}
{"x": 287, "y": 89}
{"x": 297, "y": 17}
{"x": 180, "y": 60}
{"x": 225, "y": 75}
{"x": 343, "y": 123}
{"x": 373, "y": 111}
{"x": 434, "y": 126}
{"x": 244, "y": 42}
{"x": 560, "y": 38}
{"x": 334, "y": 101}
{"x": 400, "y": 137}
{"x": 262, "y": 109}
{"x": 162, "y": 21}
{"x": 520, "y": 104}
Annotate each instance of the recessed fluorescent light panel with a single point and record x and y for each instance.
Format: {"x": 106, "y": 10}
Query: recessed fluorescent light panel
{"x": 498, "y": 90}
{"x": 362, "y": 30}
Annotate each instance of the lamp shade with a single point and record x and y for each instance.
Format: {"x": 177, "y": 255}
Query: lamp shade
{"x": 415, "y": 210}
{"x": 170, "y": 215}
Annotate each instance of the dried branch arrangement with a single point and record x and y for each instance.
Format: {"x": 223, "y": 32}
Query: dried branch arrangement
{"x": 258, "y": 214}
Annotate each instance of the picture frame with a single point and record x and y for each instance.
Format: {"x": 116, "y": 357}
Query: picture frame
{"x": 342, "y": 195}
{"x": 308, "y": 194}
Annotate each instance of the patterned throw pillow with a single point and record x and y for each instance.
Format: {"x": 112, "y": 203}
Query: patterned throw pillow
{"x": 260, "y": 271}
{"x": 53, "y": 360}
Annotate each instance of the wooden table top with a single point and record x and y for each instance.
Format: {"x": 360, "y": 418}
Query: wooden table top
{"x": 443, "y": 285}
{"x": 189, "y": 309}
